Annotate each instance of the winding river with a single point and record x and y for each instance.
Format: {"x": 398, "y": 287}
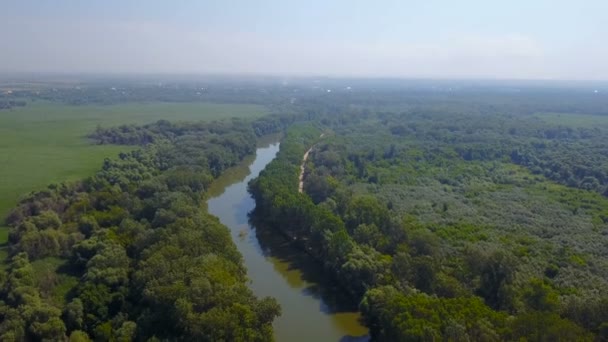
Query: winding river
{"x": 313, "y": 309}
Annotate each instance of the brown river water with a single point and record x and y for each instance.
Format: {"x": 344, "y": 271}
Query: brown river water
{"x": 313, "y": 308}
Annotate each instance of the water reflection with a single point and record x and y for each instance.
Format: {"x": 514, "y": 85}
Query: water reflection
{"x": 314, "y": 309}
{"x": 319, "y": 284}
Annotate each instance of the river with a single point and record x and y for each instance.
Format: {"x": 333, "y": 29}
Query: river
{"x": 313, "y": 309}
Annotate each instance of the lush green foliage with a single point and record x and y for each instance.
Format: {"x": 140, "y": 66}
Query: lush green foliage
{"x": 473, "y": 214}
{"x": 137, "y": 257}
{"x": 44, "y": 142}
{"x": 434, "y": 226}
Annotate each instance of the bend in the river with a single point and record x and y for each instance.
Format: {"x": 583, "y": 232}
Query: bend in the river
{"x": 312, "y": 307}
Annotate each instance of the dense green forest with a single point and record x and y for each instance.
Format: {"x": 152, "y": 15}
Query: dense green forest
{"x": 451, "y": 225}
{"x": 479, "y": 213}
{"x": 130, "y": 253}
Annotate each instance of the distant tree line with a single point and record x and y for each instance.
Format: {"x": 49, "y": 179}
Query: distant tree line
{"x": 8, "y": 104}
{"x": 418, "y": 203}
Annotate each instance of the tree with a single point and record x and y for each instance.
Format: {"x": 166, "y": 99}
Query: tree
{"x": 366, "y": 210}
{"x": 496, "y": 272}
{"x": 363, "y": 269}
{"x": 79, "y": 336}
{"x": 394, "y": 316}
{"x": 546, "y": 326}
{"x": 44, "y": 322}
{"x": 73, "y": 314}
{"x": 539, "y": 296}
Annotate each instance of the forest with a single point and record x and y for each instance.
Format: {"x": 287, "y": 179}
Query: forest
{"x": 304, "y": 171}
{"x": 477, "y": 214}
{"x": 448, "y": 225}
{"x": 129, "y": 253}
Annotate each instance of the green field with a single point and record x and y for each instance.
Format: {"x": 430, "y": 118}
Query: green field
{"x": 44, "y": 143}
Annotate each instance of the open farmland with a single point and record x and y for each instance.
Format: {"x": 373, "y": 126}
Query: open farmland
{"x": 45, "y": 142}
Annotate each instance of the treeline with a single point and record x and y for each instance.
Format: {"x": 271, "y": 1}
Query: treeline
{"x": 8, "y": 104}
{"x": 165, "y": 130}
{"x": 222, "y": 132}
{"x": 136, "y": 256}
{"x": 412, "y": 281}
{"x": 573, "y": 156}
{"x": 111, "y": 93}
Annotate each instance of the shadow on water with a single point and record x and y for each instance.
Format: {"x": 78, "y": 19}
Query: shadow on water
{"x": 323, "y": 286}
{"x": 314, "y": 307}
{"x": 240, "y": 214}
{"x": 237, "y": 174}
{"x": 230, "y": 177}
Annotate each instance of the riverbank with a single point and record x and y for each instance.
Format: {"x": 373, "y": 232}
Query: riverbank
{"x": 310, "y": 309}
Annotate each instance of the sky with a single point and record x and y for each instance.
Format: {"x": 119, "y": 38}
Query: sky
{"x": 489, "y": 39}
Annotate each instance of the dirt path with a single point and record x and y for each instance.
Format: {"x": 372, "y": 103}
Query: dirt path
{"x": 304, "y": 159}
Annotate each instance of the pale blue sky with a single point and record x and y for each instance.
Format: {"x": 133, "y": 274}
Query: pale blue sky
{"x": 440, "y": 39}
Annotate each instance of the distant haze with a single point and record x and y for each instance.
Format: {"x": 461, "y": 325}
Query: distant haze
{"x": 518, "y": 39}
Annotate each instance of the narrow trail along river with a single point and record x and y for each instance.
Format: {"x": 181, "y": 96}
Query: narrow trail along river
{"x": 302, "y": 169}
{"x": 313, "y": 308}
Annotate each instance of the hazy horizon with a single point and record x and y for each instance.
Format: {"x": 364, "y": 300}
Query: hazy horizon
{"x": 546, "y": 40}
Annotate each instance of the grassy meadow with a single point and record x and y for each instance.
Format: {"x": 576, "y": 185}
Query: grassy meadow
{"x": 44, "y": 142}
